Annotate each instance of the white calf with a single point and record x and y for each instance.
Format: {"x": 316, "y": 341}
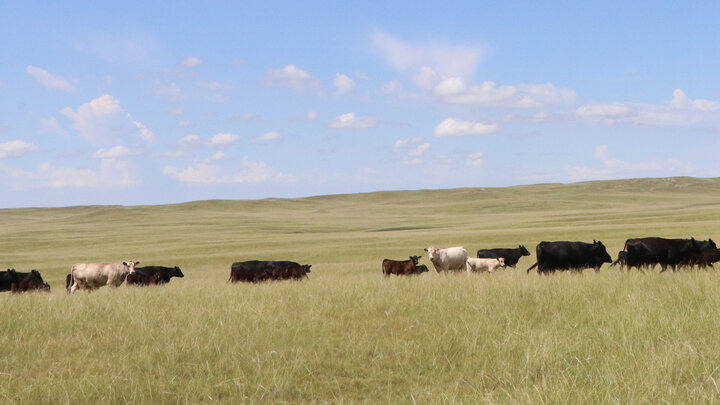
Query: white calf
{"x": 488, "y": 265}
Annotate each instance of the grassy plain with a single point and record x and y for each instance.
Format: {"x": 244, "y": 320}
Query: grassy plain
{"x": 348, "y": 335}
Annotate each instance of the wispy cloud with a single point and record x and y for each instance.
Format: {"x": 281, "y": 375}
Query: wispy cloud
{"x": 212, "y": 173}
{"x": 289, "y": 76}
{"x": 349, "y": 120}
{"x": 16, "y": 148}
{"x": 343, "y": 83}
{"x": 49, "y": 80}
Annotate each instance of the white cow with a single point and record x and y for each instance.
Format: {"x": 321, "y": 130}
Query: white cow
{"x": 489, "y": 265}
{"x": 94, "y": 275}
{"x": 452, "y": 258}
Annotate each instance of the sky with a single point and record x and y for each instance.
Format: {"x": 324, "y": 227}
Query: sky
{"x": 152, "y": 102}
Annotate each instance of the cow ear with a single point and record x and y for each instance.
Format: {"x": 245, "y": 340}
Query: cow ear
{"x": 136, "y": 263}
{"x": 425, "y": 249}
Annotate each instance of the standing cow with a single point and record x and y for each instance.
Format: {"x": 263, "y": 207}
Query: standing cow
{"x": 89, "y": 276}
{"x": 511, "y": 256}
{"x": 665, "y": 252}
{"x": 452, "y": 258}
{"x": 564, "y": 255}
{"x": 484, "y": 264}
{"x": 149, "y": 275}
{"x": 400, "y": 267}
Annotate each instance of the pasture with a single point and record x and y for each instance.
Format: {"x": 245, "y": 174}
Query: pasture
{"x": 350, "y": 335}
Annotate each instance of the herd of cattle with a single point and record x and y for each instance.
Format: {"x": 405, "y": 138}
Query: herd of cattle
{"x": 639, "y": 253}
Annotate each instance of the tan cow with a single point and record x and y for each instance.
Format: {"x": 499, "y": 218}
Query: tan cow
{"x": 89, "y": 276}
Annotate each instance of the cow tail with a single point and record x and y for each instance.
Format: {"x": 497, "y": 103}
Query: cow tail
{"x": 533, "y": 266}
{"x": 69, "y": 281}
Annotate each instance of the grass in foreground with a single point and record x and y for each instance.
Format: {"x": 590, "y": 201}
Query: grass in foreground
{"x": 348, "y": 334}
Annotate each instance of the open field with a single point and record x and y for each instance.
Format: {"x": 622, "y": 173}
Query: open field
{"x": 349, "y": 335}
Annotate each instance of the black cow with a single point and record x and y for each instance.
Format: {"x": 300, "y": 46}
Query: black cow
{"x": 564, "y": 255}
{"x": 17, "y": 281}
{"x": 400, "y": 267}
{"x": 260, "y": 270}
{"x": 150, "y": 275}
{"x": 708, "y": 255}
{"x": 665, "y": 252}
{"x": 511, "y": 256}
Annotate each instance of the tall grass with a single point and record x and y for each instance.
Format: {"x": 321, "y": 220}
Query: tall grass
{"x": 350, "y": 335}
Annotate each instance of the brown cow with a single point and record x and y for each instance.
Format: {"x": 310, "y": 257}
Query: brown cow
{"x": 400, "y": 267}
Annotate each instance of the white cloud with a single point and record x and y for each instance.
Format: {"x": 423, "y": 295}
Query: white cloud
{"x": 289, "y": 76}
{"x": 603, "y": 110}
{"x": 269, "y": 136}
{"x": 189, "y": 140}
{"x": 214, "y": 85}
{"x": 49, "y": 80}
{"x": 446, "y": 60}
{"x": 343, "y": 84}
{"x": 474, "y": 159}
{"x": 224, "y": 139}
{"x": 454, "y": 127}
{"x": 349, "y": 120}
{"x": 103, "y": 120}
{"x": 16, "y": 148}
{"x": 453, "y": 90}
{"x": 679, "y": 111}
{"x": 114, "y": 153}
{"x": 111, "y": 173}
{"x": 191, "y": 61}
{"x": 209, "y": 173}
{"x": 411, "y": 150}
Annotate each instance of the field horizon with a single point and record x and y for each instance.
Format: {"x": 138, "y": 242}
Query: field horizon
{"x": 348, "y": 334}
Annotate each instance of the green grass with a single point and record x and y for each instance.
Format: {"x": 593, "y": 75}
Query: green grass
{"x": 349, "y": 335}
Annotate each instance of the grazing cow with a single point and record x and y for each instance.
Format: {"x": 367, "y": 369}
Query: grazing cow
{"x": 260, "y": 270}
{"x": 17, "y": 281}
{"x": 453, "y": 258}
{"x": 665, "y": 252}
{"x": 564, "y": 255}
{"x": 484, "y": 264}
{"x": 95, "y": 275}
{"x": 399, "y": 267}
{"x": 511, "y": 256}
{"x": 148, "y": 275}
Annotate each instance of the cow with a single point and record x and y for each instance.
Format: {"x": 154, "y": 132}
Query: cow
{"x": 148, "y": 275}
{"x": 260, "y": 270}
{"x": 484, "y": 264}
{"x": 7, "y": 278}
{"x": 453, "y": 258}
{"x": 90, "y": 276}
{"x": 17, "y": 281}
{"x": 511, "y": 256}
{"x": 281, "y": 272}
{"x": 399, "y": 267}
{"x": 420, "y": 268}
{"x": 665, "y": 252}
{"x": 29, "y": 282}
{"x": 708, "y": 255}
{"x": 563, "y": 255}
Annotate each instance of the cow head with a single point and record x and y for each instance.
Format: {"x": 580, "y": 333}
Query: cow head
{"x": 177, "y": 272}
{"x": 131, "y": 265}
{"x": 432, "y": 252}
{"x": 502, "y": 261}
{"x": 523, "y": 250}
{"x": 601, "y": 252}
{"x": 414, "y": 260}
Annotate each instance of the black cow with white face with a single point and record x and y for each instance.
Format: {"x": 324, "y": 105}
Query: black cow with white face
{"x": 563, "y": 255}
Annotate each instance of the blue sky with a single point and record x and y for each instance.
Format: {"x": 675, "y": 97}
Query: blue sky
{"x": 163, "y": 102}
